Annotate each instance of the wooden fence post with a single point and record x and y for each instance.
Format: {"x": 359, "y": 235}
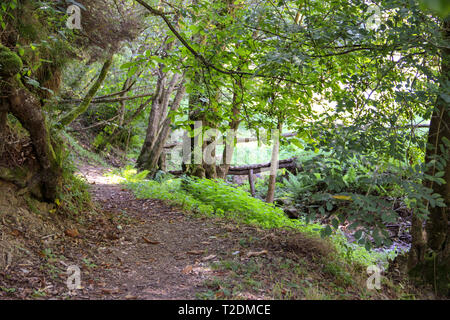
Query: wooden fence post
{"x": 251, "y": 182}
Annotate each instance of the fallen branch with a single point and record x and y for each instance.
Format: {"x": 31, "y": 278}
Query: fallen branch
{"x": 255, "y": 168}
{"x": 238, "y": 140}
{"x": 96, "y": 101}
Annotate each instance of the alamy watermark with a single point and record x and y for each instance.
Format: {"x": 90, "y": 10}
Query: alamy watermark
{"x": 374, "y": 20}
{"x": 73, "y": 278}
{"x": 74, "y": 20}
{"x": 374, "y": 280}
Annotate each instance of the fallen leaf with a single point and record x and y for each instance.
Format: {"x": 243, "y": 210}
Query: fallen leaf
{"x": 150, "y": 241}
{"x": 210, "y": 257}
{"x": 340, "y": 197}
{"x": 130, "y": 297}
{"x": 72, "y": 233}
{"x": 196, "y": 252}
{"x": 187, "y": 269}
{"x": 112, "y": 236}
{"x": 15, "y": 233}
{"x": 110, "y": 291}
{"x": 256, "y": 253}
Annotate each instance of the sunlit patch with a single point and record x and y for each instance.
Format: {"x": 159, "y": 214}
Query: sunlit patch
{"x": 98, "y": 178}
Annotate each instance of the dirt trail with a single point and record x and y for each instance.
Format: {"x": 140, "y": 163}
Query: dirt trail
{"x": 132, "y": 248}
{"x": 160, "y": 253}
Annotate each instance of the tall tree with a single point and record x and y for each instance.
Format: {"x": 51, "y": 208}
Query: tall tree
{"x": 430, "y": 253}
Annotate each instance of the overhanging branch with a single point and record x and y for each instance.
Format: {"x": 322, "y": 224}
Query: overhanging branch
{"x": 201, "y": 58}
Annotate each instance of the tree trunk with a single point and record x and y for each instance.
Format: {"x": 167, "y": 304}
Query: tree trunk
{"x": 228, "y": 150}
{"x": 435, "y": 268}
{"x": 274, "y": 164}
{"x": 162, "y": 161}
{"x": 114, "y": 135}
{"x": 152, "y": 163}
{"x": 157, "y": 132}
{"x": 251, "y": 182}
{"x": 122, "y": 104}
{"x": 75, "y": 113}
{"x": 3, "y": 117}
{"x": 192, "y": 166}
{"x": 26, "y": 108}
{"x": 153, "y": 121}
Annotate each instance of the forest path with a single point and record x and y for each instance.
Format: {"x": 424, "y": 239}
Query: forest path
{"x": 157, "y": 252}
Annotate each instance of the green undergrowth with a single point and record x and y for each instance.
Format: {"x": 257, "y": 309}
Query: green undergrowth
{"x": 73, "y": 195}
{"x": 80, "y": 152}
{"x": 219, "y": 199}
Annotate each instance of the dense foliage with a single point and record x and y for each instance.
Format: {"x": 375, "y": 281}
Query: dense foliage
{"x": 363, "y": 88}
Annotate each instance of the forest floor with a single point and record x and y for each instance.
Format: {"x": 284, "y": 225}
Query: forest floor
{"x": 130, "y": 248}
{"x": 159, "y": 252}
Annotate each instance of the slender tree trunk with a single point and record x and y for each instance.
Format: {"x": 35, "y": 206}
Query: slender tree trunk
{"x": 113, "y": 136}
{"x": 251, "y": 182}
{"x": 149, "y": 155}
{"x": 209, "y": 144}
{"x": 228, "y": 150}
{"x": 122, "y": 104}
{"x": 75, "y": 113}
{"x": 152, "y": 163}
{"x": 274, "y": 164}
{"x": 3, "y": 117}
{"x": 195, "y": 114}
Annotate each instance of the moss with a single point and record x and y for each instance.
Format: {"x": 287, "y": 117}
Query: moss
{"x": 10, "y": 63}
{"x": 28, "y": 31}
{"x": 16, "y": 175}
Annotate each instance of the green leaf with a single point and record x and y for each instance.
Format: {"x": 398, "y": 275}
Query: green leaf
{"x": 132, "y": 71}
{"x": 358, "y": 234}
{"x": 335, "y": 223}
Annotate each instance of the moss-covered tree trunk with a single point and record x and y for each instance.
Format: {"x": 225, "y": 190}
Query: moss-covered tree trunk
{"x": 192, "y": 166}
{"x": 3, "y": 117}
{"x": 227, "y": 154}
{"x": 75, "y": 113}
{"x": 25, "y": 107}
{"x": 430, "y": 253}
{"x": 17, "y": 100}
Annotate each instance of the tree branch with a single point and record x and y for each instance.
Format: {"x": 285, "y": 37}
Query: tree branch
{"x": 201, "y": 58}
